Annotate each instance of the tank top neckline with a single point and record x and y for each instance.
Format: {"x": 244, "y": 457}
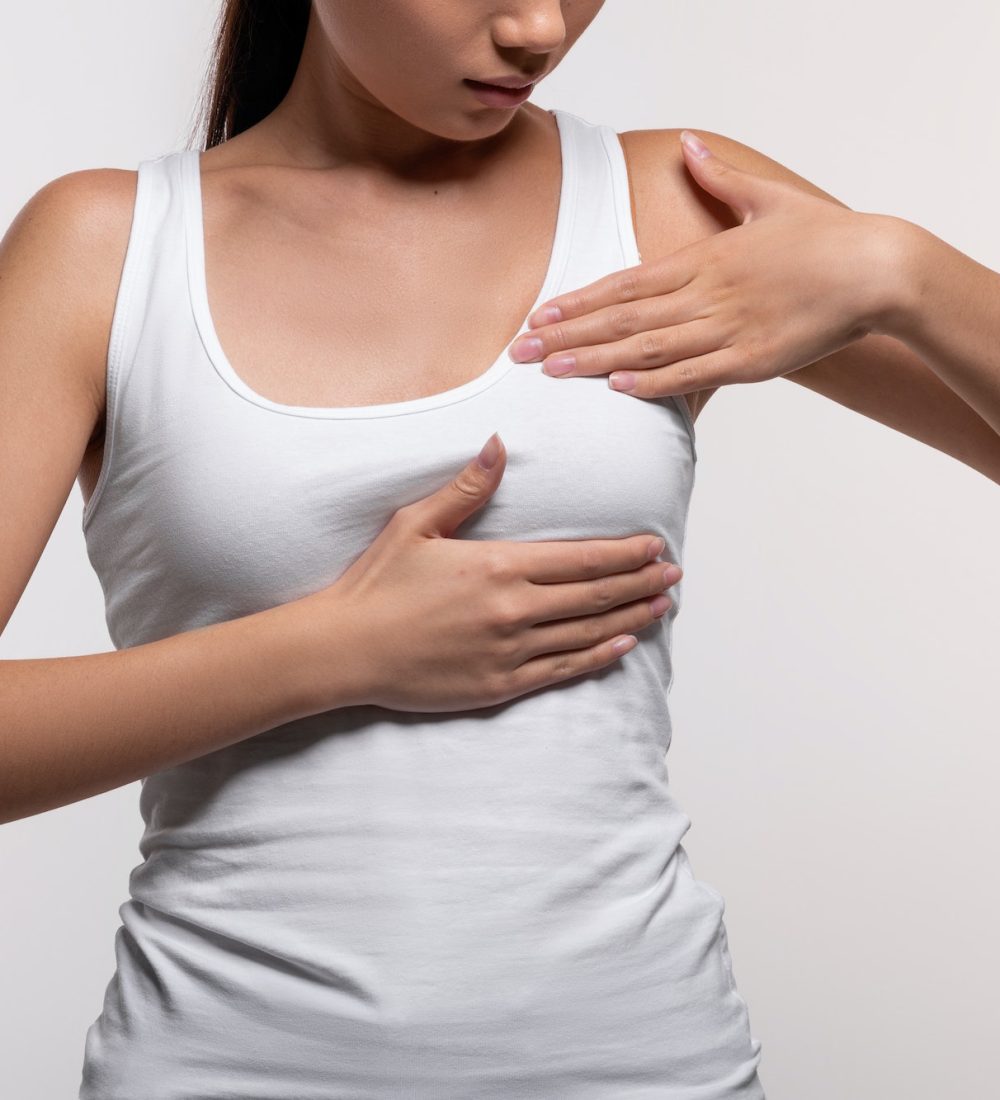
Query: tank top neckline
{"x": 193, "y": 220}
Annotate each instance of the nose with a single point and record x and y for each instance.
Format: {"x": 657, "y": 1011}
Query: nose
{"x": 535, "y": 26}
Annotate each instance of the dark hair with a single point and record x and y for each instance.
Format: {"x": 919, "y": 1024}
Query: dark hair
{"x": 256, "y": 50}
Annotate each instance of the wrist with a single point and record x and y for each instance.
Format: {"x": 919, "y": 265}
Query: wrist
{"x": 898, "y": 258}
{"x": 322, "y": 654}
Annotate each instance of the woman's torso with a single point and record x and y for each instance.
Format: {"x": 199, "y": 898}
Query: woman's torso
{"x": 369, "y": 903}
{"x": 285, "y": 354}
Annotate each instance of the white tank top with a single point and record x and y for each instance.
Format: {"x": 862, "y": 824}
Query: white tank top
{"x": 368, "y": 903}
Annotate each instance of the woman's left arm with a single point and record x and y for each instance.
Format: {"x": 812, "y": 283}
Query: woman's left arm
{"x": 937, "y": 341}
{"x": 945, "y": 307}
{"x": 869, "y": 310}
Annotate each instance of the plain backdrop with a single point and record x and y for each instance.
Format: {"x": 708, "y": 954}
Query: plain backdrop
{"x": 835, "y": 700}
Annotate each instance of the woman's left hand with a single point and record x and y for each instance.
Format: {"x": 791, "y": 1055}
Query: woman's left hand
{"x": 800, "y": 278}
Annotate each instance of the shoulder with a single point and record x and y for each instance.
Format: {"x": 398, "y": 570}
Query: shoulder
{"x": 656, "y": 156}
{"x": 86, "y": 207}
{"x": 669, "y": 203}
{"x": 60, "y": 262}
{"x": 672, "y": 210}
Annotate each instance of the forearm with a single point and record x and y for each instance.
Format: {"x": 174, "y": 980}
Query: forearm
{"x": 945, "y": 307}
{"x": 73, "y": 727}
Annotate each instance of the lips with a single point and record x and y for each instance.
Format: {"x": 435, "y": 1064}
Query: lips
{"x": 511, "y": 80}
{"x": 492, "y": 95}
{"x": 507, "y": 85}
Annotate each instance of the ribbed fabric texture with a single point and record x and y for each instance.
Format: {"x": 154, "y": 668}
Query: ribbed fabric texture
{"x": 369, "y": 904}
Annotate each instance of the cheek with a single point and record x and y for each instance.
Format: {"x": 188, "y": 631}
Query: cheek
{"x": 405, "y": 52}
{"x": 372, "y": 40}
{"x": 578, "y": 15}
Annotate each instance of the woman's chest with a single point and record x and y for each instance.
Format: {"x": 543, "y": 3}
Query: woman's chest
{"x": 238, "y": 504}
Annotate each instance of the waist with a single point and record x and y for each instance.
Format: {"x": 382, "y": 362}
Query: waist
{"x": 602, "y": 998}
{"x": 345, "y": 825}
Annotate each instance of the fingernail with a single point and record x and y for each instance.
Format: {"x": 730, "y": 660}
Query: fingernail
{"x": 561, "y": 364}
{"x": 547, "y": 315}
{"x": 621, "y": 380}
{"x": 655, "y": 548}
{"x": 671, "y": 574}
{"x": 658, "y": 605}
{"x": 524, "y": 351}
{"x": 488, "y": 456}
{"x": 694, "y": 144}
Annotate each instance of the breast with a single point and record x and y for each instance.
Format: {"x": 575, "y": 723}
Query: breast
{"x": 225, "y": 508}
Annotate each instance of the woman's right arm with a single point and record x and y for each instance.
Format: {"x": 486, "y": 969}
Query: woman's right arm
{"x": 72, "y": 727}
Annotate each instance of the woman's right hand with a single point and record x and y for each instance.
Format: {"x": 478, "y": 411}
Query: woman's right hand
{"x": 437, "y": 623}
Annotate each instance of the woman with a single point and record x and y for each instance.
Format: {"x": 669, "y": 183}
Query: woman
{"x": 408, "y": 825}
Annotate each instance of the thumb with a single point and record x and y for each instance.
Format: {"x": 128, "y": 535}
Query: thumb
{"x": 445, "y": 510}
{"x": 744, "y": 192}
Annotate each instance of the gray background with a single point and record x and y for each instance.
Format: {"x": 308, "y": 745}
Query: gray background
{"x": 835, "y": 702}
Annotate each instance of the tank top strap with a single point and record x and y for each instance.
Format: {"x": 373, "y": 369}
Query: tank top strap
{"x": 592, "y": 246}
{"x": 153, "y": 260}
{"x": 604, "y": 237}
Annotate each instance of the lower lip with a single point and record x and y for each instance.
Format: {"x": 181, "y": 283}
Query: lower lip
{"x": 493, "y": 96}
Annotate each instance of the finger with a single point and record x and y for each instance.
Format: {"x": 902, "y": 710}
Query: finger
{"x": 555, "y": 668}
{"x": 653, "y": 347}
{"x": 718, "y": 368}
{"x": 603, "y": 325}
{"x": 642, "y": 280}
{"x": 627, "y": 285}
{"x": 578, "y": 560}
{"x": 555, "y": 602}
{"x": 589, "y": 631}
